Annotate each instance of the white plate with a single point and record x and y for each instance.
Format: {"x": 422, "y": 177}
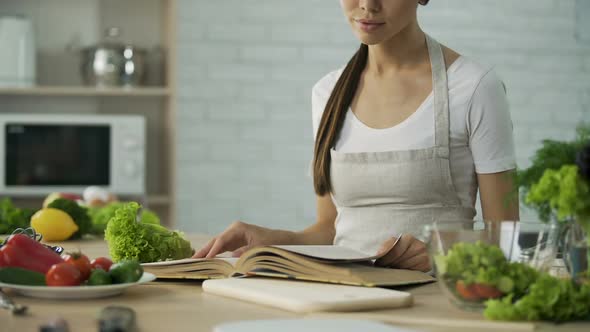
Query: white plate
{"x": 76, "y": 292}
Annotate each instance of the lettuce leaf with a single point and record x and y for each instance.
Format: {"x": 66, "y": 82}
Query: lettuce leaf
{"x": 129, "y": 239}
{"x": 565, "y": 191}
{"x": 476, "y": 263}
{"x": 531, "y": 296}
{"x": 100, "y": 216}
{"x": 551, "y": 156}
{"x": 549, "y": 298}
{"x": 12, "y": 217}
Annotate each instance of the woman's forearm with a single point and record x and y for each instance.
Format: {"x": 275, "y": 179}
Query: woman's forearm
{"x": 316, "y": 234}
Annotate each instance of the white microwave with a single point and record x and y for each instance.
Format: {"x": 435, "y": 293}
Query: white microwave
{"x": 44, "y": 153}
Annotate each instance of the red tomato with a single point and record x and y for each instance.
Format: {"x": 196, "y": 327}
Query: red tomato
{"x": 63, "y": 274}
{"x": 101, "y": 263}
{"x": 81, "y": 262}
{"x": 486, "y": 292}
{"x": 467, "y": 292}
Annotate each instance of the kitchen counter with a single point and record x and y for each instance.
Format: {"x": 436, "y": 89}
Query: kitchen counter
{"x": 182, "y": 306}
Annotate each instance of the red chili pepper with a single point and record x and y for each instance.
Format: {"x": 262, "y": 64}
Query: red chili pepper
{"x": 25, "y": 252}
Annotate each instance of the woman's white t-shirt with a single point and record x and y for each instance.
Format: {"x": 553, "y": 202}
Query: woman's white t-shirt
{"x": 480, "y": 126}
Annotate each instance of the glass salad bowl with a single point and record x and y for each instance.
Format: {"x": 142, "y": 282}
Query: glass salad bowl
{"x": 489, "y": 260}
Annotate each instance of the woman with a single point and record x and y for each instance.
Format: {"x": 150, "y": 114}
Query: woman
{"x": 405, "y": 135}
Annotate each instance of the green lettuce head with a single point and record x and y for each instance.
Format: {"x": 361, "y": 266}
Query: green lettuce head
{"x": 130, "y": 239}
{"x": 100, "y": 216}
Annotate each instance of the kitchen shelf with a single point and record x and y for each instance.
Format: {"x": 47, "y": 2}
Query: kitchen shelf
{"x": 60, "y": 90}
{"x": 83, "y": 91}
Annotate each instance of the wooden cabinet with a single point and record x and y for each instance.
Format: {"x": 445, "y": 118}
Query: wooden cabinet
{"x": 62, "y": 28}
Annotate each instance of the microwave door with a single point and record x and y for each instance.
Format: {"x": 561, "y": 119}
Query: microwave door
{"x": 46, "y": 156}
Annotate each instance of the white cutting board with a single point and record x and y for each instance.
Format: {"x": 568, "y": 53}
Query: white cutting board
{"x": 307, "y": 325}
{"x": 305, "y": 297}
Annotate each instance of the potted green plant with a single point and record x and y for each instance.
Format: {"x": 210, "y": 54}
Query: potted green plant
{"x": 557, "y": 186}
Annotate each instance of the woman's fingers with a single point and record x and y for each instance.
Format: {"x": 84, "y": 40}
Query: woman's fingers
{"x": 227, "y": 241}
{"x": 232, "y": 238}
{"x": 396, "y": 252}
{"x": 387, "y": 246}
{"x": 416, "y": 247}
{"x": 424, "y": 267}
{"x": 217, "y": 247}
{"x": 408, "y": 253}
{"x": 205, "y": 250}
{"x": 238, "y": 252}
{"x": 417, "y": 261}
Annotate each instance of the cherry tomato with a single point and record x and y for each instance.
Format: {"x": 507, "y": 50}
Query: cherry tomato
{"x": 486, "y": 292}
{"x": 63, "y": 274}
{"x": 81, "y": 262}
{"x": 466, "y": 292}
{"x": 101, "y": 263}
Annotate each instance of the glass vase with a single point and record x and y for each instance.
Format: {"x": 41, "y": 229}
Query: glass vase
{"x": 577, "y": 250}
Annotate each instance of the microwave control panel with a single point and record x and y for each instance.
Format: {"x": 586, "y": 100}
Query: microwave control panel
{"x": 129, "y": 151}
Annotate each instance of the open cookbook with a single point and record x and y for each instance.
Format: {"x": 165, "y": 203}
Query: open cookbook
{"x": 326, "y": 263}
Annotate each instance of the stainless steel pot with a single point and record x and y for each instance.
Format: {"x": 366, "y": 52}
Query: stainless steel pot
{"x": 112, "y": 63}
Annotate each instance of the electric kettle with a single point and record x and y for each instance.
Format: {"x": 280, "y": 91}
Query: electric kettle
{"x": 17, "y": 52}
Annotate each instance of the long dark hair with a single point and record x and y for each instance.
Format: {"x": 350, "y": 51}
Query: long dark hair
{"x": 333, "y": 117}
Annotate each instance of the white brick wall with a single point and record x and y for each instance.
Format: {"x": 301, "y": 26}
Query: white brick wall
{"x": 246, "y": 68}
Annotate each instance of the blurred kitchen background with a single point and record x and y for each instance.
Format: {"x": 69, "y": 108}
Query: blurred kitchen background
{"x": 224, "y": 88}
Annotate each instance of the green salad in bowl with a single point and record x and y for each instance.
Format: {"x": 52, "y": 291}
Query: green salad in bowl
{"x": 476, "y": 272}
{"x": 503, "y": 268}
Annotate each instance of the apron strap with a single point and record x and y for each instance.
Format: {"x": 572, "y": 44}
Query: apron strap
{"x": 441, "y": 98}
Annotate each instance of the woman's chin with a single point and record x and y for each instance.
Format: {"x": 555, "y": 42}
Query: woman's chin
{"x": 370, "y": 39}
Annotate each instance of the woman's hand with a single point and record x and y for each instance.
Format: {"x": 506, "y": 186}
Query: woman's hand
{"x": 239, "y": 237}
{"x": 408, "y": 253}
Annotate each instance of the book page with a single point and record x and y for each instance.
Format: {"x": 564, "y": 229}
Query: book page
{"x": 231, "y": 260}
{"x": 330, "y": 252}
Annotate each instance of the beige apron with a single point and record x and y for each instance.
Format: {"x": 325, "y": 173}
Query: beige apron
{"x": 383, "y": 194}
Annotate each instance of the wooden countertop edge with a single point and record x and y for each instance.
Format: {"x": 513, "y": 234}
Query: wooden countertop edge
{"x": 434, "y": 322}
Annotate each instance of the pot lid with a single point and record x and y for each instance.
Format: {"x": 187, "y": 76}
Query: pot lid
{"x": 112, "y": 41}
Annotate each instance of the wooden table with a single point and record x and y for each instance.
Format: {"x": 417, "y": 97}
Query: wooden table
{"x": 182, "y": 306}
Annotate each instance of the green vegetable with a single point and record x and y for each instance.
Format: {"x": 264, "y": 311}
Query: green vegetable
{"x": 551, "y": 156}
{"x": 126, "y": 272}
{"x": 549, "y": 298}
{"x": 149, "y": 217}
{"x": 129, "y": 239}
{"x": 485, "y": 264}
{"x": 78, "y": 213}
{"x": 12, "y": 217}
{"x": 565, "y": 191}
{"x": 522, "y": 277}
{"x": 100, "y": 216}
{"x": 99, "y": 277}
{"x": 20, "y": 276}
{"x": 505, "y": 285}
{"x": 529, "y": 295}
